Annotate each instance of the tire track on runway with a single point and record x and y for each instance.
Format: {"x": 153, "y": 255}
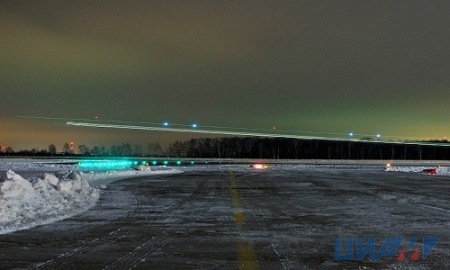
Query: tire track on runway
{"x": 285, "y": 260}
{"x": 98, "y": 243}
{"x": 138, "y": 256}
{"x": 106, "y": 240}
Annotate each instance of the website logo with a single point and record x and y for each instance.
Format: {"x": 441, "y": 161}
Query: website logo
{"x": 350, "y": 250}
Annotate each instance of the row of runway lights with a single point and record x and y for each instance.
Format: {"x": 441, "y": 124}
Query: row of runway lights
{"x": 125, "y": 164}
{"x": 111, "y": 164}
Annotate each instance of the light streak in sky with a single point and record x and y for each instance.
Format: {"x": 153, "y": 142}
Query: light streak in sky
{"x": 240, "y": 133}
{"x": 237, "y": 131}
{"x": 217, "y": 128}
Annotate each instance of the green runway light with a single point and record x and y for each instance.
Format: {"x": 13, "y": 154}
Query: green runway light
{"x": 192, "y": 162}
{"x": 165, "y": 162}
{"x": 154, "y": 162}
{"x": 104, "y": 164}
{"x": 178, "y": 162}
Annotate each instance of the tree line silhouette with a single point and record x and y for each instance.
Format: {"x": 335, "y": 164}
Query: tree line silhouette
{"x": 258, "y": 148}
{"x": 282, "y": 148}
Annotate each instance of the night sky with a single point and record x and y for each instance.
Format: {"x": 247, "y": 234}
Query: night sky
{"x": 331, "y": 66}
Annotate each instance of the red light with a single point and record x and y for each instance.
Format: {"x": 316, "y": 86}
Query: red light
{"x": 430, "y": 171}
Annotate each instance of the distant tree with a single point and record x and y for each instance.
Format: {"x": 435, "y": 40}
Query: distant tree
{"x": 126, "y": 149}
{"x": 99, "y": 151}
{"x": 52, "y": 149}
{"x": 121, "y": 150}
{"x": 280, "y": 148}
{"x": 66, "y": 148}
{"x": 154, "y": 149}
{"x": 217, "y": 144}
{"x": 295, "y": 145}
{"x": 138, "y": 150}
{"x": 177, "y": 149}
{"x": 115, "y": 150}
{"x": 95, "y": 151}
{"x": 9, "y": 150}
{"x": 83, "y": 149}
{"x": 103, "y": 151}
{"x": 248, "y": 145}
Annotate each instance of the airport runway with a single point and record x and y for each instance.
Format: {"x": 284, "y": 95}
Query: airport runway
{"x": 239, "y": 218}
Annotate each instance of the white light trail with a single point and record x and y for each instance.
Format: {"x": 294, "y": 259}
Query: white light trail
{"x": 241, "y": 133}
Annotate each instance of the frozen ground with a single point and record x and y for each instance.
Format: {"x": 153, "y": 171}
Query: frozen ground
{"x": 229, "y": 216}
{"x": 51, "y": 192}
{"x": 47, "y": 191}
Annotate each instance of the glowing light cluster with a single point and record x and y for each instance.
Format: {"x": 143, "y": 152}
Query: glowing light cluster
{"x": 260, "y": 166}
{"x": 124, "y": 164}
{"x": 107, "y": 164}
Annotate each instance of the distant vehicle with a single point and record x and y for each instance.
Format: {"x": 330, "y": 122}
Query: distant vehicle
{"x": 259, "y": 166}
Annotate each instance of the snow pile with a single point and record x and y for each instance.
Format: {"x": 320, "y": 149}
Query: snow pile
{"x": 25, "y": 204}
{"x": 418, "y": 169}
{"x": 37, "y": 198}
{"x": 32, "y": 165}
{"x": 55, "y": 196}
{"x": 99, "y": 179}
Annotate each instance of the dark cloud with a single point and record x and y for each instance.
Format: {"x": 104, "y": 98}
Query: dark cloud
{"x": 368, "y": 66}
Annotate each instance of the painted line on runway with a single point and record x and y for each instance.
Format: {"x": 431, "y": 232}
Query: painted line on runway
{"x": 239, "y": 217}
{"x": 246, "y": 254}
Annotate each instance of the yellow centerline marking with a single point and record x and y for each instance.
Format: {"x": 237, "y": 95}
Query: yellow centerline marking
{"x": 246, "y": 254}
{"x": 239, "y": 217}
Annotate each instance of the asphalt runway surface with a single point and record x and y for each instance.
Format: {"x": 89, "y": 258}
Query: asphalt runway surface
{"x": 240, "y": 218}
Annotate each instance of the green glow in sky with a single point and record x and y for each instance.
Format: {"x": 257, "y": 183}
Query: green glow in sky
{"x": 325, "y": 66}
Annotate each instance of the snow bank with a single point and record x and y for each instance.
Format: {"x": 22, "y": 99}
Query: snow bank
{"x": 33, "y": 165}
{"x": 25, "y": 204}
{"x": 418, "y": 169}
{"x": 54, "y": 196}
{"x": 97, "y": 179}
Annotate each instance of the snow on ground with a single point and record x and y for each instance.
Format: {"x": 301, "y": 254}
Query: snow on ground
{"x": 45, "y": 192}
{"x": 101, "y": 179}
{"x": 419, "y": 169}
{"x": 25, "y": 204}
{"x": 58, "y": 193}
{"x": 336, "y": 165}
